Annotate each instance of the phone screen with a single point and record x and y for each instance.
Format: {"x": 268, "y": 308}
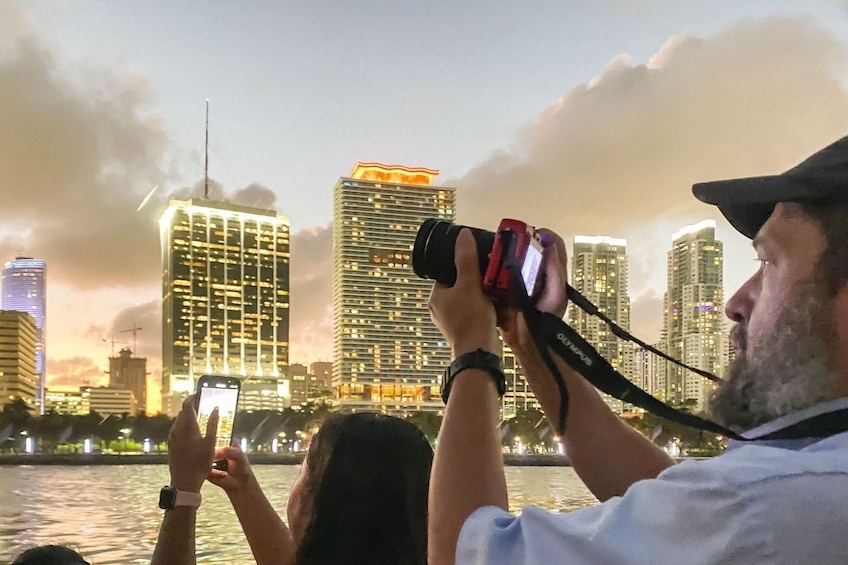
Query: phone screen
{"x": 224, "y": 394}
{"x": 532, "y": 265}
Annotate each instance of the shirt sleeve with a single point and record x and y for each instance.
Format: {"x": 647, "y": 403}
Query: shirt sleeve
{"x": 687, "y": 517}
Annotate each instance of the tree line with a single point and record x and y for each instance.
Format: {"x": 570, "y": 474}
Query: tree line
{"x": 527, "y": 431}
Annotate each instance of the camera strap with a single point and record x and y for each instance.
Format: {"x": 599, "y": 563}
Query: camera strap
{"x": 552, "y": 333}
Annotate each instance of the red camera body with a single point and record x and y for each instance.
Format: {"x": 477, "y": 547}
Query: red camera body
{"x": 513, "y": 239}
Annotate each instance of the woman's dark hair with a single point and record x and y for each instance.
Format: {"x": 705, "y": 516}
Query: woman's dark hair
{"x": 368, "y": 477}
{"x": 50, "y": 555}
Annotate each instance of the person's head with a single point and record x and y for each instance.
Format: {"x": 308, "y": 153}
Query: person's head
{"x": 50, "y": 555}
{"x": 791, "y": 332}
{"x": 362, "y": 493}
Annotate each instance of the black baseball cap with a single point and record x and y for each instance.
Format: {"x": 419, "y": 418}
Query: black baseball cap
{"x": 748, "y": 202}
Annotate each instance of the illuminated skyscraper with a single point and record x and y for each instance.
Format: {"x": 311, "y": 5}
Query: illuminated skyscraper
{"x": 18, "y": 340}
{"x": 225, "y": 296}
{"x": 24, "y": 290}
{"x": 599, "y": 271}
{"x": 694, "y": 329}
{"x": 387, "y": 354}
{"x": 518, "y": 396}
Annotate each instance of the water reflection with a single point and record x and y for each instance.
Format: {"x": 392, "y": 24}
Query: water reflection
{"x": 110, "y": 514}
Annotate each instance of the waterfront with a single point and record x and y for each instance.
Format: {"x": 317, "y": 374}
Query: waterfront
{"x": 110, "y": 513}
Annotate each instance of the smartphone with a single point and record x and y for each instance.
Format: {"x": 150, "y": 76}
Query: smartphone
{"x": 532, "y": 267}
{"x": 221, "y": 392}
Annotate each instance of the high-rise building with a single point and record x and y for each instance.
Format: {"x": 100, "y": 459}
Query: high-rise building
{"x": 387, "y": 354}
{"x": 299, "y": 384}
{"x": 694, "y": 329}
{"x": 323, "y": 373}
{"x": 130, "y": 373}
{"x": 18, "y": 343}
{"x": 225, "y": 295}
{"x": 518, "y": 396}
{"x": 24, "y": 290}
{"x": 599, "y": 271}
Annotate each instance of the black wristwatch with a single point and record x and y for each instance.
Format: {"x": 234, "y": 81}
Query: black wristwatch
{"x": 170, "y": 498}
{"x": 479, "y": 359}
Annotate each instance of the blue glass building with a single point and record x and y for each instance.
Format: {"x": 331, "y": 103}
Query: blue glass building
{"x": 24, "y": 290}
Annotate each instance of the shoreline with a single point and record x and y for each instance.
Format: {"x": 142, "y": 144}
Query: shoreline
{"x": 71, "y": 459}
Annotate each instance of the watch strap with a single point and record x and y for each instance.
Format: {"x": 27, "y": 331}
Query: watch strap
{"x": 170, "y": 498}
{"x": 184, "y": 498}
{"x": 478, "y": 359}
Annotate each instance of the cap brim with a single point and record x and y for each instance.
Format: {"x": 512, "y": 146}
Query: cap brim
{"x": 748, "y": 202}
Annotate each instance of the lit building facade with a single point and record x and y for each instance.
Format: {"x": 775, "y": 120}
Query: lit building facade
{"x": 24, "y": 290}
{"x": 323, "y": 373}
{"x": 67, "y": 402}
{"x": 129, "y": 372}
{"x": 106, "y": 400}
{"x": 694, "y": 330}
{"x": 18, "y": 342}
{"x": 387, "y": 354}
{"x": 518, "y": 397}
{"x": 225, "y": 295}
{"x": 299, "y": 384}
{"x": 599, "y": 271}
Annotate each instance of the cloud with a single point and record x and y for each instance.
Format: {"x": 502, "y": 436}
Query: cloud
{"x": 618, "y": 155}
{"x": 76, "y": 371}
{"x": 646, "y": 316}
{"x": 148, "y": 339}
{"x": 78, "y": 151}
{"x": 256, "y": 196}
{"x": 311, "y": 329}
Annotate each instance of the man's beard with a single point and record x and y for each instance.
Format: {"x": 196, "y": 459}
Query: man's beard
{"x": 786, "y": 371}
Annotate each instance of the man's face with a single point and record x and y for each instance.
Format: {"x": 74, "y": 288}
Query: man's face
{"x": 785, "y": 329}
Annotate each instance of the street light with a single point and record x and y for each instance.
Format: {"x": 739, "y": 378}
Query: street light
{"x": 125, "y": 435}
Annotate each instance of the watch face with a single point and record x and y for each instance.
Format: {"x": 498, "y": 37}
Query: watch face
{"x": 167, "y": 498}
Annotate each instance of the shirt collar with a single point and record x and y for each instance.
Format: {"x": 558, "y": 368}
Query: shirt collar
{"x": 788, "y": 420}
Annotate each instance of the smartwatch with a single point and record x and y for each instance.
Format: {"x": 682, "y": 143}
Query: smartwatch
{"x": 170, "y": 498}
{"x": 479, "y": 359}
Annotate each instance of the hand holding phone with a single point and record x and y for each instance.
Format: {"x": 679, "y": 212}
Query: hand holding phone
{"x": 215, "y": 391}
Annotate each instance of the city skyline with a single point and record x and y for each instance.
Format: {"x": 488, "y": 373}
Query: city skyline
{"x": 589, "y": 120}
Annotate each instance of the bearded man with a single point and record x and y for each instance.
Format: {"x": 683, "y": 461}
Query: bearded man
{"x": 778, "y": 500}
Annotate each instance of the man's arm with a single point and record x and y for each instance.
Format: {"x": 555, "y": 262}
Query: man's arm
{"x": 269, "y": 538}
{"x": 607, "y": 453}
{"x": 468, "y": 465}
{"x": 467, "y": 468}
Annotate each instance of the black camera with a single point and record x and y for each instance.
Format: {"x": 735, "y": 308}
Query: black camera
{"x": 515, "y": 245}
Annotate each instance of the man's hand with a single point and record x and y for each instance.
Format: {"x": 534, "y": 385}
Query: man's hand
{"x": 238, "y": 477}
{"x": 189, "y": 453}
{"x": 553, "y": 299}
{"x": 462, "y": 312}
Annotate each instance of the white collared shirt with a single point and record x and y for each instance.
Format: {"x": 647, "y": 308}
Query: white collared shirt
{"x": 776, "y": 502}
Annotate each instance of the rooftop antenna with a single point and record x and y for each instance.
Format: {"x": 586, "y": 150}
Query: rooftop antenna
{"x": 206, "y": 166}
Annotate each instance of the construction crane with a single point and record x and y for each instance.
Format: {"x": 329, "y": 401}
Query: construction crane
{"x": 135, "y": 329}
{"x": 112, "y": 341}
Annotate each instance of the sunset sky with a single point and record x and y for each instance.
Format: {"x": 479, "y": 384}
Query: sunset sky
{"x": 586, "y": 117}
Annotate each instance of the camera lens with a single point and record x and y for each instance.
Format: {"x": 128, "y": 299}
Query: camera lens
{"x": 433, "y": 252}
